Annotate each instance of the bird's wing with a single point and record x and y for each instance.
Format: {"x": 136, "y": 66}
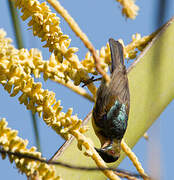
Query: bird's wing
{"x": 118, "y": 88}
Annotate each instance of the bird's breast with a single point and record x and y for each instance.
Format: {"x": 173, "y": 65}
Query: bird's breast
{"x": 113, "y": 124}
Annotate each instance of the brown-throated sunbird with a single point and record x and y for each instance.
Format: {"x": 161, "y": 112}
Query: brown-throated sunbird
{"x": 111, "y": 110}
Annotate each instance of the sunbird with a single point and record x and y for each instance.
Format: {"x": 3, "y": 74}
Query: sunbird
{"x": 111, "y": 109}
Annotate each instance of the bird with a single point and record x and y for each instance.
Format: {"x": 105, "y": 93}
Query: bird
{"x": 111, "y": 110}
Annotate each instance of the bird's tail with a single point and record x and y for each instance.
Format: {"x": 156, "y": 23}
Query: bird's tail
{"x": 116, "y": 54}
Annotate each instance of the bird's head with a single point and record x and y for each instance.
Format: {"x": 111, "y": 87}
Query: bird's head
{"x": 110, "y": 152}
{"x": 107, "y": 156}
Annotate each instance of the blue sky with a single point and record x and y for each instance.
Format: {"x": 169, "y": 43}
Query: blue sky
{"x": 100, "y": 20}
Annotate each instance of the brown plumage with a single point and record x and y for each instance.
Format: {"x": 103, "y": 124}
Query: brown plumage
{"x": 118, "y": 88}
{"x": 113, "y": 101}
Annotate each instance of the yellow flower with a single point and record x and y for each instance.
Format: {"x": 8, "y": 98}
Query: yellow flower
{"x": 15, "y": 75}
{"x": 129, "y": 8}
{"x": 45, "y": 25}
{"x": 137, "y": 42}
{"x": 9, "y": 141}
{"x": 104, "y": 55}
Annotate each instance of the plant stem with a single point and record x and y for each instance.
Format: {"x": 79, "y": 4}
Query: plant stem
{"x": 16, "y": 24}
